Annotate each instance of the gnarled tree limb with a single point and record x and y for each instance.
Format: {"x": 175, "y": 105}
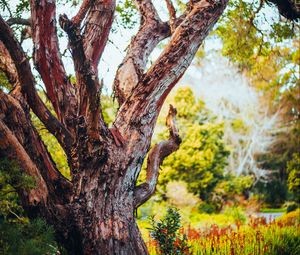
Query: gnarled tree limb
{"x": 151, "y": 32}
{"x": 48, "y": 61}
{"x": 156, "y": 156}
{"x": 86, "y": 76}
{"x": 141, "y": 109}
{"x": 27, "y": 84}
{"x": 15, "y": 115}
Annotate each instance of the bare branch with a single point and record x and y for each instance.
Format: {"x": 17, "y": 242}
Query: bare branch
{"x": 28, "y": 87}
{"x": 18, "y": 21}
{"x": 151, "y": 32}
{"x": 48, "y": 61}
{"x": 97, "y": 27}
{"x": 142, "y": 108}
{"x": 15, "y": 114}
{"x": 172, "y": 13}
{"x": 156, "y": 156}
{"x": 147, "y": 10}
{"x": 86, "y": 4}
{"x": 14, "y": 150}
{"x": 87, "y": 78}
{"x": 132, "y": 68}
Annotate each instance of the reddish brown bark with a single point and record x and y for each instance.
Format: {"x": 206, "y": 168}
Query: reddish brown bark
{"x": 94, "y": 212}
{"x": 48, "y": 61}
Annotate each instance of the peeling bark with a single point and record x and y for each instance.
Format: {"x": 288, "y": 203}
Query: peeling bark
{"x": 97, "y": 27}
{"x": 156, "y": 156}
{"x": 48, "y": 61}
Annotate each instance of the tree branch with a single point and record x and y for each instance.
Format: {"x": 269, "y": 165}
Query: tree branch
{"x": 19, "y": 21}
{"x": 87, "y": 78}
{"x": 7, "y": 66}
{"x": 141, "y": 110}
{"x": 27, "y": 84}
{"x": 172, "y": 13}
{"x": 48, "y": 61}
{"x": 85, "y": 6}
{"x": 15, "y": 115}
{"x": 97, "y": 27}
{"x": 152, "y": 31}
{"x": 14, "y": 151}
{"x": 156, "y": 156}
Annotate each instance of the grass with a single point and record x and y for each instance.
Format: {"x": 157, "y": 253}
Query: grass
{"x": 272, "y": 210}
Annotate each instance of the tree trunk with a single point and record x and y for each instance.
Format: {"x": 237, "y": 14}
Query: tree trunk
{"x": 109, "y": 230}
{"x": 106, "y": 223}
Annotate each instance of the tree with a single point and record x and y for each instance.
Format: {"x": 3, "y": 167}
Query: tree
{"x": 93, "y": 212}
{"x": 293, "y": 169}
{"x": 265, "y": 47}
{"x": 202, "y": 157}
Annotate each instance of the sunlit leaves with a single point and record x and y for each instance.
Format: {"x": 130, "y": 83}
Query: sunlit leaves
{"x": 202, "y": 155}
{"x": 293, "y": 169}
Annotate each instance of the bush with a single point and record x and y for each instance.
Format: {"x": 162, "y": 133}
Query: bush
{"x": 32, "y": 238}
{"x": 236, "y": 213}
{"x": 165, "y": 232}
{"x": 291, "y": 206}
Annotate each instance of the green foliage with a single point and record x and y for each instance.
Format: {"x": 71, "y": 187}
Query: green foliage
{"x": 32, "y": 238}
{"x": 230, "y": 189}
{"x": 165, "y": 232}
{"x": 234, "y": 185}
{"x": 18, "y": 235}
{"x": 11, "y": 174}
{"x": 286, "y": 242}
{"x": 273, "y": 193}
{"x": 12, "y": 177}
{"x": 109, "y": 109}
{"x": 4, "y": 83}
{"x": 236, "y": 213}
{"x": 291, "y": 206}
{"x": 201, "y": 157}
{"x": 293, "y": 169}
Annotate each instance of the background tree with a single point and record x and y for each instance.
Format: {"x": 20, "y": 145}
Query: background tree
{"x": 268, "y": 55}
{"x": 201, "y": 159}
{"x": 93, "y": 212}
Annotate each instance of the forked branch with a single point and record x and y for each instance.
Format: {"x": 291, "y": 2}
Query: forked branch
{"x": 86, "y": 4}
{"x": 27, "y": 84}
{"x": 149, "y": 94}
{"x": 152, "y": 31}
{"x": 156, "y": 156}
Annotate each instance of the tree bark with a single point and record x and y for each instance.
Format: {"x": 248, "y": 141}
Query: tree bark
{"x": 93, "y": 213}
